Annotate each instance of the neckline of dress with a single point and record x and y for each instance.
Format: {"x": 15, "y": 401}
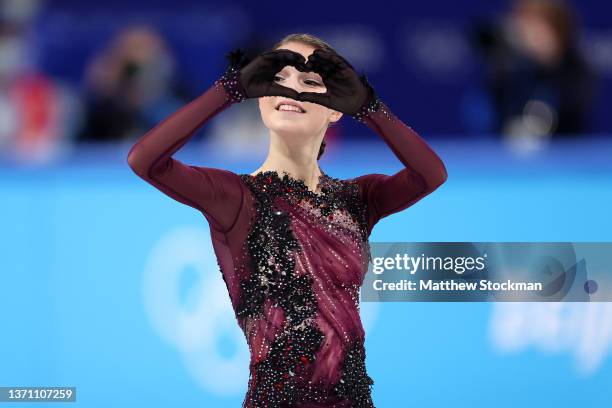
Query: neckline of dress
{"x": 294, "y": 181}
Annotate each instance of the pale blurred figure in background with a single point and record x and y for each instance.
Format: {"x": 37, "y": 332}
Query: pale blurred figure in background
{"x": 540, "y": 85}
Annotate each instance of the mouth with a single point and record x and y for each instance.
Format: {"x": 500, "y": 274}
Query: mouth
{"x": 288, "y": 106}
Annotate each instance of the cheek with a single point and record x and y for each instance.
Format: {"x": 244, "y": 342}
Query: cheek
{"x": 265, "y": 103}
{"x": 318, "y": 112}
{"x": 266, "y": 107}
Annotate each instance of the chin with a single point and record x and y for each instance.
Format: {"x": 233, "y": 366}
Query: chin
{"x": 290, "y": 128}
{"x": 292, "y": 132}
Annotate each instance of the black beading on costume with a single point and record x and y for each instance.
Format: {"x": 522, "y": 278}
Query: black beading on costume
{"x": 356, "y": 384}
{"x": 274, "y": 380}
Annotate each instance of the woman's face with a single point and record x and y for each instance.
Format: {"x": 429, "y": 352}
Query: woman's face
{"x": 315, "y": 118}
{"x": 538, "y": 37}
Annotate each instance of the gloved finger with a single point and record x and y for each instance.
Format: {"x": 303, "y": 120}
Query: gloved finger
{"x": 341, "y": 62}
{"x": 237, "y": 58}
{"x": 281, "y": 57}
{"x": 303, "y": 67}
{"x": 316, "y": 97}
{"x": 320, "y": 66}
{"x": 332, "y": 58}
{"x": 280, "y": 90}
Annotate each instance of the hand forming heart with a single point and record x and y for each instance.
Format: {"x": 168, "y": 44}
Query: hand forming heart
{"x": 346, "y": 92}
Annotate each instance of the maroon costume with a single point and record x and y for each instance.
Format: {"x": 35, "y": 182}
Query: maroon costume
{"x": 293, "y": 259}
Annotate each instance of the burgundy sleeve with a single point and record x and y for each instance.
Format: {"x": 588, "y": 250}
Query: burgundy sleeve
{"x": 215, "y": 192}
{"x": 424, "y": 171}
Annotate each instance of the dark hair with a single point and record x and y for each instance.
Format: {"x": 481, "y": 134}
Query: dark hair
{"x": 321, "y": 149}
{"x": 316, "y": 42}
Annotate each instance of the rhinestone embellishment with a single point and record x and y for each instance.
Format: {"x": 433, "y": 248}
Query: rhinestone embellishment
{"x": 277, "y": 378}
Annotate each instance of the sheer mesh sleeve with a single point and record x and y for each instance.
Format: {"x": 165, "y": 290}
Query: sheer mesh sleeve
{"x": 424, "y": 171}
{"x": 215, "y": 192}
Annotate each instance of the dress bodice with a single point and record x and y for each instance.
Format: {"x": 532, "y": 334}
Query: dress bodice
{"x": 299, "y": 305}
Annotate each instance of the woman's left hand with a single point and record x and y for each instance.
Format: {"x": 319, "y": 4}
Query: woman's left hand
{"x": 347, "y": 92}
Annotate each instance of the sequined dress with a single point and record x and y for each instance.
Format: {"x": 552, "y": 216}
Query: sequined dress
{"x": 292, "y": 259}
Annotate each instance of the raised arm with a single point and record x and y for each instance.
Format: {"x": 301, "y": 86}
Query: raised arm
{"x": 216, "y": 193}
{"x": 352, "y": 94}
{"x": 424, "y": 171}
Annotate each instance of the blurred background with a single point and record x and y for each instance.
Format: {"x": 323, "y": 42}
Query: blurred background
{"x": 112, "y": 287}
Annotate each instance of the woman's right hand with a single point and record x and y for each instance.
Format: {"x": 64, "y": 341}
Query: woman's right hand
{"x": 246, "y": 78}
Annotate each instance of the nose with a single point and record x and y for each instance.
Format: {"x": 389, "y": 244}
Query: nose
{"x": 292, "y": 78}
{"x": 292, "y": 81}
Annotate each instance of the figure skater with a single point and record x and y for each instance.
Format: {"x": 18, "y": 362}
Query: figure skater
{"x": 292, "y": 241}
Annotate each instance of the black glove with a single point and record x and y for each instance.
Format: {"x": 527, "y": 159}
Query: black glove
{"x": 347, "y": 92}
{"x": 246, "y": 78}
